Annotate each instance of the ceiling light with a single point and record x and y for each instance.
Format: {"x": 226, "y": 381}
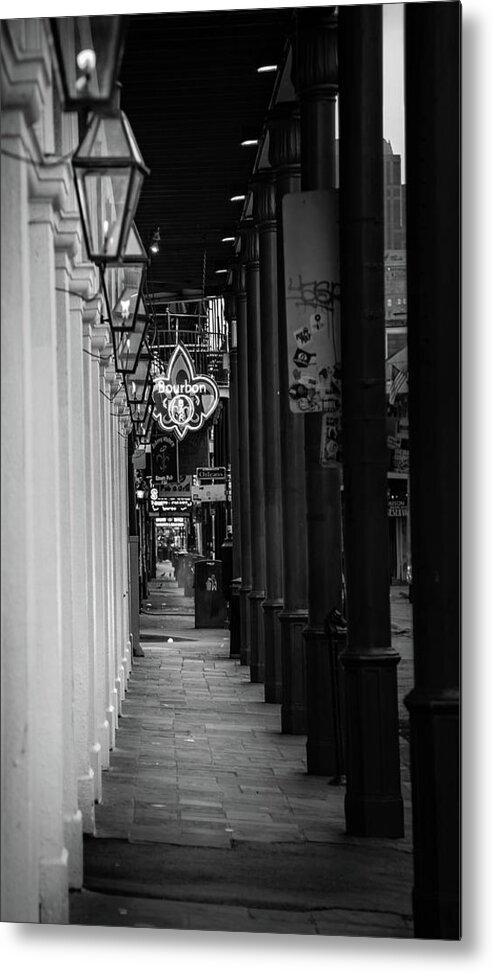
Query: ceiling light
{"x": 238, "y": 198}
{"x": 228, "y": 239}
{"x": 222, "y": 270}
{"x": 267, "y": 68}
{"x": 248, "y": 142}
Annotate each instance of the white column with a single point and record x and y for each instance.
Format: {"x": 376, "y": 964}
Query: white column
{"x": 43, "y": 580}
{"x": 123, "y": 551}
{"x": 65, "y": 242}
{"x": 94, "y": 342}
{"x": 112, "y": 689}
{"x": 19, "y": 868}
{"x": 84, "y": 281}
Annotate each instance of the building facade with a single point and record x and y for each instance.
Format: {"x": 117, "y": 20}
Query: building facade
{"x": 66, "y": 639}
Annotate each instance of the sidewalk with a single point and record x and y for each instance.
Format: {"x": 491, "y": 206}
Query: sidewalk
{"x": 209, "y": 820}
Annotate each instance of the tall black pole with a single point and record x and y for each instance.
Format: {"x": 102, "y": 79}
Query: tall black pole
{"x": 255, "y": 443}
{"x": 373, "y": 799}
{"x": 432, "y": 45}
{"x": 284, "y": 157}
{"x": 315, "y": 80}
{"x": 244, "y": 462}
{"x": 264, "y": 214}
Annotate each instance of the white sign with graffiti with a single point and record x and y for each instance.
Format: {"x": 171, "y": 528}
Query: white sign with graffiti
{"x": 312, "y": 291}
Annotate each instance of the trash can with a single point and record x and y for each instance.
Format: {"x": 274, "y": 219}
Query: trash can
{"x": 185, "y": 571}
{"x": 209, "y": 597}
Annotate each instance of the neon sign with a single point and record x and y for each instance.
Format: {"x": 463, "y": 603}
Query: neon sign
{"x": 183, "y": 400}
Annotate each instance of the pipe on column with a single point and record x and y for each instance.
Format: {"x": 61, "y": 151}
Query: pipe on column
{"x": 373, "y": 802}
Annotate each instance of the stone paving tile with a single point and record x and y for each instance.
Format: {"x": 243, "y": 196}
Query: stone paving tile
{"x": 200, "y": 761}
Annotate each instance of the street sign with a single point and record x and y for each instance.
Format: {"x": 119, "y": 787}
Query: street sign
{"x": 211, "y": 474}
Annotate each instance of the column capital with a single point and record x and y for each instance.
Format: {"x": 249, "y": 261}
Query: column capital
{"x": 84, "y": 283}
{"x": 264, "y": 199}
{"x": 315, "y": 66}
{"x": 249, "y": 243}
{"x": 25, "y": 67}
{"x": 67, "y": 234}
{"x": 283, "y": 124}
{"x": 97, "y": 333}
{"x": 238, "y": 274}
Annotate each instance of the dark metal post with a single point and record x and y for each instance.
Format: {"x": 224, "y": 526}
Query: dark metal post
{"x": 432, "y": 32}
{"x": 255, "y": 445}
{"x": 315, "y": 80}
{"x": 373, "y": 798}
{"x": 234, "y": 451}
{"x": 264, "y": 214}
{"x": 284, "y": 156}
{"x": 244, "y": 464}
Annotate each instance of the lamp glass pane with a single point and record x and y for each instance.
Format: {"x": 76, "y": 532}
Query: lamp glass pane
{"x": 127, "y": 345}
{"x": 103, "y": 194}
{"x": 126, "y": 281}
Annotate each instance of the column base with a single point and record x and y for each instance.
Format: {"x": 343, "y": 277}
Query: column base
{"x": 123, "y": 686}
{"x": 234, "y": 620}
{"x": 53, "y": 890}
{"x": 104, "y": 739}
{"x": 245, "y": 636}
{"x": 373, "y": 803}
{"x": 96, "y": 766}
{"x": 72, "y": 838}
{"x": 293, "y": 660}
{"x": 85, "y": 800}
{"x": 435, "y": 777}
{"x": 112, "y": 720}
{"x": 324, "y": 744}
{"x": 272, "y": 640}
{"x": 257, "y": 637}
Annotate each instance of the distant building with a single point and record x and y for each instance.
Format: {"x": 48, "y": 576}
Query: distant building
{"x": 395, "y": 200}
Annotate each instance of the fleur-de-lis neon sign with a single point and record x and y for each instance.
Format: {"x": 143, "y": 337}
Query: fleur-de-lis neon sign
{"x": 182, "y": 399}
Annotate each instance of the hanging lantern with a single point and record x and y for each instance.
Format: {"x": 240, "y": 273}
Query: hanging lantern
{"x": 127, "y": 345}
{"x": 89, "y": 52}
{"x": 137, "y": 383}
{"x": 142, "y": 422}
{"x": 109, "y": 171}
{"x": 122, "y": 283}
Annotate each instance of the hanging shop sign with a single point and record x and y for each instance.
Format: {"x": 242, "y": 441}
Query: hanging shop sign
{"x": 211, "y": 484}
{"x": 397, "y": 507}
{"x": 183, "y": 400}
{"x": 183, "y": 488}
{"x": 170, "y": 505}
{"x": 164, "y": 458}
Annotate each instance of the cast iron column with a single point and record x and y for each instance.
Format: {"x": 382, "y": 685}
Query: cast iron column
{"x": 373, "y": 798}
{"x": 244, "y": 464}
{"x": 433, "y": 260}
{"x": 255, "y": 445}
{"x": 264, "y": 214}
{"x": 315, "y": 80}
{"x": 284, "y": 156}
{"x": 234, "y": 447}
